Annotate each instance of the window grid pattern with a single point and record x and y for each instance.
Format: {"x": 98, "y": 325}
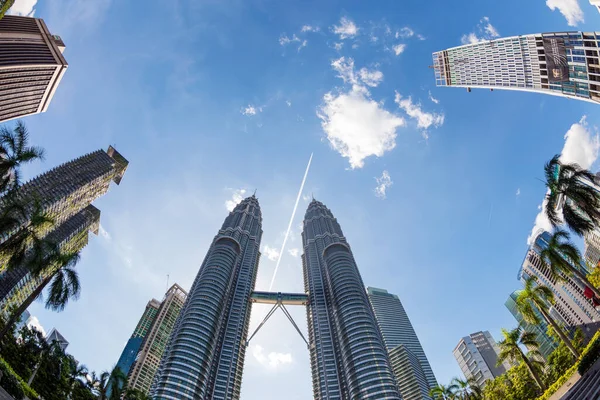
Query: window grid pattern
{"x": 519, "y": 63}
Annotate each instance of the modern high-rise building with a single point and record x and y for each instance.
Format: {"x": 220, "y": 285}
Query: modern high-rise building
{"x": 404, "y": 346}
{"x": 477, "y": 355}
{"x": 348, "y": 356}
{"x": 591, "y": 254}
{"x": 205, "y": 356}
{"x": 17, "y": 285}
{"x": 155, "y": 340}
{"x": 546, "y": 344}
{"x": 134, "y": 343}
{"x": 65, "y": 194}
{"x": 558, "y": 63}
{"x": 69, "y": 188}
{"x": 31, "y": 66}
{"x": 570, "y": 305}
{"x": 55, "y": 337}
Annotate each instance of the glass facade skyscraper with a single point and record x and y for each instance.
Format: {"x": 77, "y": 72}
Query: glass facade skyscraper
{"x": 558, "y": 63}
{"x": 205, "y": 355}
{"x": 398, "y": 331}
{"x": 546, "y": 344}
{"x": 146, "y": 363}
{"x": 348, "y": 355}
{"x": 134, "y": 343}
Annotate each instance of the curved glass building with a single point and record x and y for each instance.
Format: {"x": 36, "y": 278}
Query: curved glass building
{"x": 205, "y": 355}
{"x": 348, "y": 355}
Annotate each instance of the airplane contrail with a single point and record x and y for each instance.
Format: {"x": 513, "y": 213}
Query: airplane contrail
{"x": 291, "y": 221}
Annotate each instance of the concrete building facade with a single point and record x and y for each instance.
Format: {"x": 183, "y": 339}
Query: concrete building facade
{"x": 31, "y": 66}
{"x": 477, "y": 355}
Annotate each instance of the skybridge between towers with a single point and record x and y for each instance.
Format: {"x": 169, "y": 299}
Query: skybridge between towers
{"x": 279, "y": 300}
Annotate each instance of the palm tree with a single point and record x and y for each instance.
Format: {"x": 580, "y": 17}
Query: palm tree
{"x": 25, "y": 222}
{"x": 510, "y": 350}
{"x": 570, "y": 195}
{"x": 14, "y": 151}
{"x": 58, "y": 270}
{"x": 441, "y": 392}
{"x": 538, "y": 296}
{"x": 562, "y": 258}
{"x": 467, "y": 389}
{"x": 102, "y": 384}
{"x": 77, "y": 372}
{"x": 5, "y": 5}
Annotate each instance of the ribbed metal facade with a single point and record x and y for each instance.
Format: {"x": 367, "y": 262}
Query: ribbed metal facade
{"x": 205, "y": 355}
{"x": 410, "y": 377}
{"x": 348, "y": 356}
{"x": 397, "y": 329}
{"x": 520, "y": 63}
{"x": 31, "y": 66}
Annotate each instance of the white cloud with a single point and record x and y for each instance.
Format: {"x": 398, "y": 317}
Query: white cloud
{"x": 420, "y": 37}
{"x": 346, "y": 28}
{"x": 581, "y": 147}
{"x": 284, "y": 40}
{"x": 289, "y": 103}
{"x": 271, "y": 253}
{"x": 272, "y": 360}
{"x": 569, "y": 9}
{"x": 306, "y": 197}
{"x": 345, "y": 68}
{"x": 483, "y": 31}
{"x": 357, "y": 126}
{"x": 236, "y": 198}
{"x": 294, "y": 252}
{"x": 104, "y": 233}
{"x": 370, "y": 78}
{"x": 309, "y": 28}
{"x": 34, "y": 322}
{"x": 399, "y": 49}
{"x": 405, "y": 33}
{"x": 518, "y": 192}
{"x": 433, "y": 99}
{"x": 425, "y": 120}
{"x": 338, "y": 46}
{"x": 24, "y": 8}
{"x": 250, "y": 110}
{"x": 383, "y": 184}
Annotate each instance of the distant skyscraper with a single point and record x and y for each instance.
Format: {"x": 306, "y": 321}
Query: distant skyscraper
{"x": 558, "y": 63}
{"x": 134, "y": 343}
{"x": 56, "y": 337}
{"x": 477, "y": 355}
{"x": 72, "y": 235}
{"x": 144, "y": 368}
{"x": 205, "y": 355}
{"x": 546, "y": 344}
{"x": 404, "y": 346}
{"x": 348, "y": 355}
{"x": 571, "y": 305}
{"x": 31, "y": 66}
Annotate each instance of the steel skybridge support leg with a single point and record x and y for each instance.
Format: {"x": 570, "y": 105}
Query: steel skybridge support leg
{"x": 263, "y": 322}
{"x": 287, "y": 314}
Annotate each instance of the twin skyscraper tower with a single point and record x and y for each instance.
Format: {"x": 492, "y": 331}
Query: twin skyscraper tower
{"x": 205, "y": 355}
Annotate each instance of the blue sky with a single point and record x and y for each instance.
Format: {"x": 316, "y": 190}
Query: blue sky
{"x": 208, "y": 99}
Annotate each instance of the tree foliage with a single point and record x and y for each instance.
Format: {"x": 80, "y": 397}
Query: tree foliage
{"x": 515, "y": 384}
{"x": 5, "y": 5}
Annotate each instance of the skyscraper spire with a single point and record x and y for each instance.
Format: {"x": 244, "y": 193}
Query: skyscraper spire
{"x": 341, "y": 324}
{"x": 205, "y": 357}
